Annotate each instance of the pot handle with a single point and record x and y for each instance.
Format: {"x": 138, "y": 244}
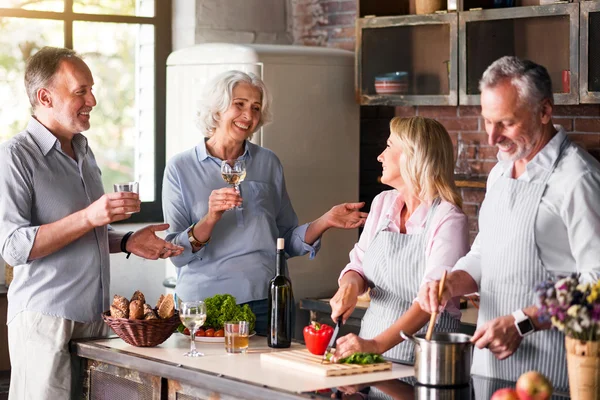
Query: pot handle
{"x": 406, "y": 336}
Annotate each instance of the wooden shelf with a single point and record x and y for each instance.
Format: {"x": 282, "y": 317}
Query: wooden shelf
{"x": 470, "y": 183}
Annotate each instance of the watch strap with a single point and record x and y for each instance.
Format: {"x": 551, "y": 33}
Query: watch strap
{"x": 523, "y": 323}
{"x": 193, "y": 241}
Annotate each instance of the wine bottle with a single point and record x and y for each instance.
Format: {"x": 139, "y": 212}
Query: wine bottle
{"x": 280, "y": 304}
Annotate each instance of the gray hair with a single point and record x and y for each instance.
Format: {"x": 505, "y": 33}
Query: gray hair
{"x": 531, "y": 80}
{"x": 218, "y": 95}
{"x": 41, "y": 69}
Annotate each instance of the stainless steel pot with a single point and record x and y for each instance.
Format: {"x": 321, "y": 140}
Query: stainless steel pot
{"x": 445, "y": 360}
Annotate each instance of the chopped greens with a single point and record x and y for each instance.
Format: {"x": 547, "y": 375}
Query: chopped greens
{"x": 362, "y": 358}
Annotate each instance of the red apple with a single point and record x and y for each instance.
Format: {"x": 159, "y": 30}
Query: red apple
{"x": 505, "y": 394}
{"x": 533, "y": 386}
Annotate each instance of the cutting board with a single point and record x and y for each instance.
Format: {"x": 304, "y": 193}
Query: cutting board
{"x": 305, "y": 361}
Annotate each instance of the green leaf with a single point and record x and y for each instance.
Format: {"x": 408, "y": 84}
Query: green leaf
{"x": 362, "y": 358}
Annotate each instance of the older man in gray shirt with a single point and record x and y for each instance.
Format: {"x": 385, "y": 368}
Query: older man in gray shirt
{"x": 54, "y": 229}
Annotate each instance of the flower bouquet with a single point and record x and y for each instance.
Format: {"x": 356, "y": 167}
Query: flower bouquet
{"x": 574, "y": 308}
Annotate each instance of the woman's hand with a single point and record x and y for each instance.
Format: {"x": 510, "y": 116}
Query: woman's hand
{"x": 344, "y": 301}
{"x": 221, "y": 200}
{"x": 350, "y": 344}
{"x": 346, "y": 216}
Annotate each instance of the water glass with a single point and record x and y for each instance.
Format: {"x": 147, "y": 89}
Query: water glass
{"x": 127, "y": 187}
{"x": 236, "y": 336}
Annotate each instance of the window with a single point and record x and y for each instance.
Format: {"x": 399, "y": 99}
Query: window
{"x": 125, "y": 43}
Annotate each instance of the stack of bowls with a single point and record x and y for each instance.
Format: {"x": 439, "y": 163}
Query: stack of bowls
{"x": 392, "y": 83}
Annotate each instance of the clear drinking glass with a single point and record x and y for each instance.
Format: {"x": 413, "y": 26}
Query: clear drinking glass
{"x": 192, "y": 315}
{"x": 127, "y": 187}
{"x": 236, "y": 336}
{"x": 234, "y": 173}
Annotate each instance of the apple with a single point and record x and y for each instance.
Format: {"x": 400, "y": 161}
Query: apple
{"x": 505, "y": 394}
{"x": 533, "y": 386}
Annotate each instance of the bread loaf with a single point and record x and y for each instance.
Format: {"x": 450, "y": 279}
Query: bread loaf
{"x": 115, "y": 312}
{"x": 122, "y": 304}
{"x": 166, "y": 309}
{"x": 137, "y": 295}
{"x": 149, "y": 312}
{"x": 160, "y": 299}
{"x": 136, "y": 310}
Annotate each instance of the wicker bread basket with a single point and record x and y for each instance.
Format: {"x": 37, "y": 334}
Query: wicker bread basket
{"x": 141, "y": 332}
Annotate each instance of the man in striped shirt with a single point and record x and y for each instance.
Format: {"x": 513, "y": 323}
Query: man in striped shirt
{"x": 54, "y": 229}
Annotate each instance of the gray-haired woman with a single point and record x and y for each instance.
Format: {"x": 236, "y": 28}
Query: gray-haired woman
{"x": 240, "y": 258}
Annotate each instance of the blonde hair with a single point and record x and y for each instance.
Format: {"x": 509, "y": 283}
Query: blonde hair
{"x": 429, "y": 166}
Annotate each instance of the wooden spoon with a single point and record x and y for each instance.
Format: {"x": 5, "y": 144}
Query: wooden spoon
{"x": 435, "y": 313}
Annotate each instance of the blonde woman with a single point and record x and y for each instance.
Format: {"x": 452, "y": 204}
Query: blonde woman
{"x": 412, "y": 234}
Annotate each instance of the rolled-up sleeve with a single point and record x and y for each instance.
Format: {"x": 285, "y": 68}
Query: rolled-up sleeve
{"x": 471, "y": 263}
{"x": 16, "y": 187}
{"x": 176, "y": 215}
{"x": 449, "y": 241}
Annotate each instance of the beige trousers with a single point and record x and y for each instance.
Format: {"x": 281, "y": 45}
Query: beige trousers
{"x": 42, "y": 367}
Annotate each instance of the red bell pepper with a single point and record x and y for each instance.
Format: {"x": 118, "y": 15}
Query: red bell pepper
{"x": 316, "y": 337}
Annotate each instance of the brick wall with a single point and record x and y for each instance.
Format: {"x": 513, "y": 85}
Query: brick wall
{"x": 331, "y": 23}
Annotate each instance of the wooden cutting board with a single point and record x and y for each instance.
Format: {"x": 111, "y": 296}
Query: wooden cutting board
{"x": 305, "y": 361}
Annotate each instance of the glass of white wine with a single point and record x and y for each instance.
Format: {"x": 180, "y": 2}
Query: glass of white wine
{"x": 234, "y": 173}
{"x": 192, "y": 315}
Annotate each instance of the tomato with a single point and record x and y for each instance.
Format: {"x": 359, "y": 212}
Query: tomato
{"x": 200, "y": 332}
{"x": 186, "y": 331}
{"x": 316, "y": 337}
{"x": 210, "y": 332}
{"x": 220, "y": 333}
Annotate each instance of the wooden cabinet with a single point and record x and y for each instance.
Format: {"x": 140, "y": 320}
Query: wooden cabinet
{"x": 423, "y": 49}
{"x": 444, "y": 55}
{"x": 589, "y": 78}
{"x": 547, "y": 35}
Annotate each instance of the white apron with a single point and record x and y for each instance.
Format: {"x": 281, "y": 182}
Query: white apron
{"x": 394, "y": 265}
{"x": 510, "y": 269}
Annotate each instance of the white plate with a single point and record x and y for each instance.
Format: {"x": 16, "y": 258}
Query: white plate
{"x": 209, "y": 339}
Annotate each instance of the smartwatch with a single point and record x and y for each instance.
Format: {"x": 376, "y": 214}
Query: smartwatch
{"x": 523, "y": 323}
{"x": 193, "y": 241}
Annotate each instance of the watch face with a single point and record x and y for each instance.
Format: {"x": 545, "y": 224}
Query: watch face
{"x": 525, "y": 326}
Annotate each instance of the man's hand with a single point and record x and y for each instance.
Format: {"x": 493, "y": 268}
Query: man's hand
{"x": 350, "y": 344}
{"x": 343, "y": 302}
{"x": 144, "y": 243}
{"x": 428, "y": 297}
{"x": 499, "y": 335}
{"x": 346, "y": 216}
{"x": 112, "y": 207}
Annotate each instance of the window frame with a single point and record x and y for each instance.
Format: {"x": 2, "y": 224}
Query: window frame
{"x": 151, "y": 211}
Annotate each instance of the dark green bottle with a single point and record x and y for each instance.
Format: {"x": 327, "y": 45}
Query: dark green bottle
{"x": 280, "y": 304}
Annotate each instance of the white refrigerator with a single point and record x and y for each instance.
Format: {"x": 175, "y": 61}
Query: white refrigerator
{"x": 315, "y": 133}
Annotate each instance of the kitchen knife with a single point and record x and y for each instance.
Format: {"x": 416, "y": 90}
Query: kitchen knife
{"x": 332, "y": 340}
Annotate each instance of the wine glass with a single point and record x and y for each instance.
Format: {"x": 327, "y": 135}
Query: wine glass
{"x": 192, "y": 315}
{"x": 234, "y": 173}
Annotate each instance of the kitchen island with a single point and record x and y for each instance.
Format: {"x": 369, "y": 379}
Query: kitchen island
{"x": 116, "y": 370}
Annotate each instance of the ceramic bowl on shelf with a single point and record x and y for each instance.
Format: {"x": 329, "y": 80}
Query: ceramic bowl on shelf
{"x": 392, "y": 83}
